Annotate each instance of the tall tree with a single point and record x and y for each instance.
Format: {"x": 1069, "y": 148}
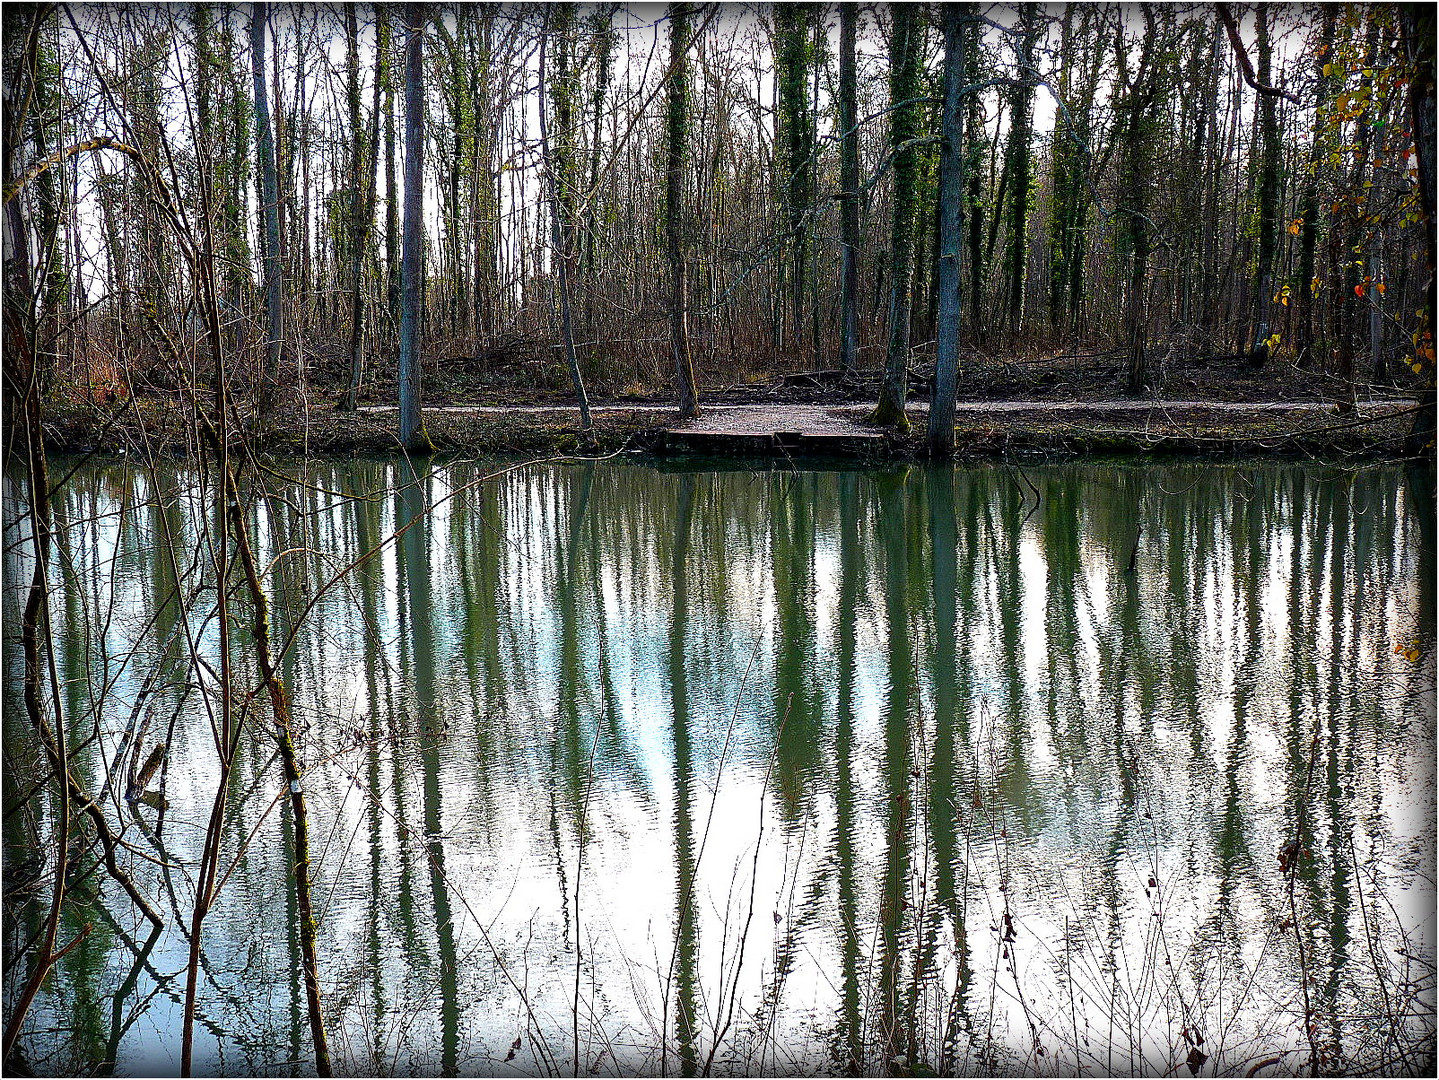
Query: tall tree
{"x": 1136, "y": 122}
{"x": 676, "y": 144}
{"x": 976, "y": 146}
{"x": 1417, "y": 24}
{"x": 1308, "y": 209}
{"x": 849, "y": 187}
{"x": 602, "y": 47}
{"x": 362, "y": 203}
{"x": 559, "y": 161}
{"x": 794, "y": 146}
{"x": 1350, "y": 225}
{"x": 1081, "y": 57}
{"x": 385, "y": 64}
{"x": 1020, "y": 173}
{"x": 269, "y": 203}
{"x": 1200, "y": 124}
{"x": 484, "y": 199}
{"x": 225, "y": 117}
{"x": 412, "y": 427}
{"x": 951, "y": 227}
{"x": 50, "y": 194}
{"x": 905, "y": 116}
{"x": 1268, "y": 196}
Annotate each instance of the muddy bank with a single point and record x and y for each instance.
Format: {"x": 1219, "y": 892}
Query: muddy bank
{"x": 984, "y": 430}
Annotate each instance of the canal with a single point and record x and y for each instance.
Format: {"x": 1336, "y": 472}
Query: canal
{"x": 614, "y": 768}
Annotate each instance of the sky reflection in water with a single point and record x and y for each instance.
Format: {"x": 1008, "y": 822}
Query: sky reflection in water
{"x": 932, "y": 769}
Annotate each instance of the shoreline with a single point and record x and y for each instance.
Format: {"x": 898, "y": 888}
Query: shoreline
{"x": 984, "y": 430}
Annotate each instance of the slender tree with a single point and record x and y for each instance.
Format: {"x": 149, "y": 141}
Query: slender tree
{"x": 362, "y": 209}
{"x": 1080, "y": 58}
{"x": 849, "y": 187}
{"x": 1136, "y": 123}
{"x": 602, "y": 45}
{"x": 412, "y": 427}
{"x": 976, "y": 147}
{"x": 1308, "y": 209}
{"x": 269, "y": 203}
{"x": 385, "y": 72}
{"x": 904, "y": 91}
{"x": 676, "y": 146}
{"x": 558, "y": 156}
{"x": 794, "y": 147}
{"x": 951, "y": 229}
{"x": 1268, "y": 197}
{"x": 1418, "y": 26}
{"x": 1020, "y": 173}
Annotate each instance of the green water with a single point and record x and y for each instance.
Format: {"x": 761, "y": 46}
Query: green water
{"x": 619, "y": 770}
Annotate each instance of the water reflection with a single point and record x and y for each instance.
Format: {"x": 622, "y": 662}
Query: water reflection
{"x": 621, "y": 770}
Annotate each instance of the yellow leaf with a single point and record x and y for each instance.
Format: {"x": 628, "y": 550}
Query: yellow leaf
{"x": 1328, "y": 68}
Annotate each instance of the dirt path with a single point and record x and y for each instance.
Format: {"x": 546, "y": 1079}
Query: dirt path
{"x": 844, "y": 419}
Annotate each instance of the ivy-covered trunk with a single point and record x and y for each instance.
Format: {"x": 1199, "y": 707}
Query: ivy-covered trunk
{"x": 412, "y": 428}
{"x": 947, "y": 283}
{"x": 676, "y": 140}
{"x": 269, "y": 205}
{"x": 905, "y": 115}
{"x": 849, "y": 188}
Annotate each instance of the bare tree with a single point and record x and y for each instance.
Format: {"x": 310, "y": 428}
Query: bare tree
{"x": 951, "y": 227}
{"x": 412, "y": 426}
{"x": 849, "y": 188}
{"x": 269, "y": 202}
{"x": 904, "y": 91}
{"x": 676, "y": 143}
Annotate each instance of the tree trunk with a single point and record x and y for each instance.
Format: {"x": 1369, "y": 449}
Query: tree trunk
{"x": 1136, "y": 133}
{"x": 362, "y": 189}
{"x": 559, "y": 171}
{"x": 1260, "y": 347}
{"x": 974, "y": 195}
{"x": 1016, "y": 248}
{"x": 904, "y": 88}
{"x": 269, "y": 207}
{"x": 384, "y": 57}
{"x": 951, "y": 226}
{"x": 412, "y": 427}
{"x": 601, "y": 22}
{"x": 794, "y": 148}
{"x": 676, "y": 138}
{"x": 1063, "y": 183}
{"x": 1308, "y": 209}
{"x": 1418, "y": 28}
{"x": 849, "y": 188}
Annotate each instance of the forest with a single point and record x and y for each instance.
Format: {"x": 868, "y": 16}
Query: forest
{"x": 346, "y": 202}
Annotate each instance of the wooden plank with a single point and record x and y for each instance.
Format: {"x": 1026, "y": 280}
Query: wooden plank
{"x": 773, "y": 443}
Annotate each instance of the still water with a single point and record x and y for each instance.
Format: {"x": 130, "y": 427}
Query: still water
{"x": 1071, "y": 769}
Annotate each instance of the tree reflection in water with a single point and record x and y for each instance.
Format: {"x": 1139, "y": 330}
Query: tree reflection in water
{"x": 932, "y": 769}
